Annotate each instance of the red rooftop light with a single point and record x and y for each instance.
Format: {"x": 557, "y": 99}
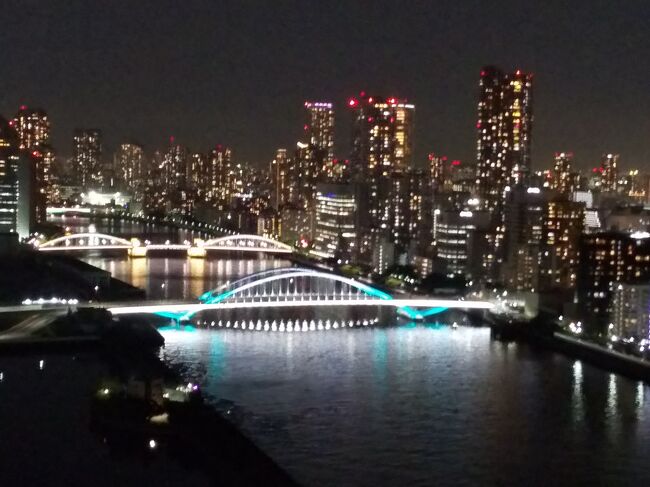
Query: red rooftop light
{"x": 23, "y": 107}
{"x": 352, "y": 102}
{"x": 455, "y": 163}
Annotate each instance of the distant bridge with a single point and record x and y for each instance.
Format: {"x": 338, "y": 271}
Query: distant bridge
{"x": 297, "y": 287}
{"x": 136, "y": 248}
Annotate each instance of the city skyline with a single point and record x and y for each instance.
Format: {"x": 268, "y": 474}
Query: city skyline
{"x": 225, "y": 92}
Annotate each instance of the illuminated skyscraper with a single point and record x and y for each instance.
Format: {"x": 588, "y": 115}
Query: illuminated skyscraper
{"x": 175, "y": 168}
{"x": 609, "y": 172}
{"x": 32, "y": 127}
{"x": 563, "y": 223}
{"x": 8, "y": 178}
{"x": 41, "y": 159}
{"x": 303, "y": 172}
{"x": 48, "y": 184}
{"x": 86, "y": 156}
{"x": 541, "y": 244}
{"x": 562, "y": 177}
{"x": 608, "y": 259}
{"x": 279, "y": 175}
{"x": 381, "y": 154}
{"x": 220, "y": 175}
{"x": 437, "y": 170}
{"x": 420, "y": 210}
{"x": 319, "y": 130}
{"x": 336, "y": 212}
{"x": 504, "y": 129}
{"x": 17, "y": 184}
{"x": 129, "y": 164}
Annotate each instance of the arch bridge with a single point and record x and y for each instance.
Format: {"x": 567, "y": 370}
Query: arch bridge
{"x": 136, "y": 248}
{"x": 299, "y": 287}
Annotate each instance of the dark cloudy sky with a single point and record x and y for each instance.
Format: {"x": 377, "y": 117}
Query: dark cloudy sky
{"x": 237, "y": 72}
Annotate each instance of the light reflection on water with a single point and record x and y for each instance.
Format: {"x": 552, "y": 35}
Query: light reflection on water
{"x": 420, "y": 405}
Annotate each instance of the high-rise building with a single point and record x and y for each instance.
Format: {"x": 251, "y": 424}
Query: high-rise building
{"x": 46, "y": 171}
{"x": 563, "y": 224}
{"x": 524, "y": 219}
{"x": 220, "y": 175}
{"x": 8, "y": 178}
{"x": 319, "y": 130}
{"x": 17, "y": 184}
{"x": 175, "y": 166}
{"x": 198, "y": 171}
{"x": 457, "y": 240}
{"x": 382, "y": 134}
{"x": 609, "y": 172}
{"x": 504, "y": 128}
{"x": 541, "y": 245}
{"x": 41, "y": 159}
{"x": 279, "y": 175}
{"x": 381, "y": 154}
{"x": 437, "y": 170}
{"x": 32, "y": 126}
{"x": 607, "y": 259}
{"x": 87, "y": 157}
{"x": 630, "y": 315}
{"x": 129, "y": 163}
{"x": 169, "y": 185}
{"x": 420, "y": 211}
{"x": 304, "y": 172}
{"x": 335, "y": 233}
{"x": 562, "y": 179}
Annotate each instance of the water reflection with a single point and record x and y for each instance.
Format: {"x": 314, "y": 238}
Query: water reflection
{"x": 578, "y": 408}
{"x": 370, "y": 399}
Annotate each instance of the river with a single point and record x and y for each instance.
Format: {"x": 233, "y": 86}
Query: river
{"x": 405, "y": 404}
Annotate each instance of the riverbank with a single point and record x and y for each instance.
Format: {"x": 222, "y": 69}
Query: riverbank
{"x": 28, "y": 274}
{"x": 543, "y": 334}
{"x": 138, "y": 408}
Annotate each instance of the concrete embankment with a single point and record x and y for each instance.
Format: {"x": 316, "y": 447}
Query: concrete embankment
{"x": 541, "y": 332}
{"x": 605, "y": 358}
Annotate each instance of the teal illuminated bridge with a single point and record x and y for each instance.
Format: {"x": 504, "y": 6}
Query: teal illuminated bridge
{"x": 298, "y": 287}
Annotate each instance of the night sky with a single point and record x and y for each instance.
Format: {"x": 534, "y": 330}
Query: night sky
{"x": 238, "y": 72}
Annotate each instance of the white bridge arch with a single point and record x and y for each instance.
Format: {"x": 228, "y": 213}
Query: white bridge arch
{"x": 87, "y": 240}
{"x": 294, "y": 284}
{"x": 251, "y": 243}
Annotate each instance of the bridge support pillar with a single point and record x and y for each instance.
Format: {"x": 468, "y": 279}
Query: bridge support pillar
{"x": 138, "y": 252}
{"x": 196, "y": 252}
